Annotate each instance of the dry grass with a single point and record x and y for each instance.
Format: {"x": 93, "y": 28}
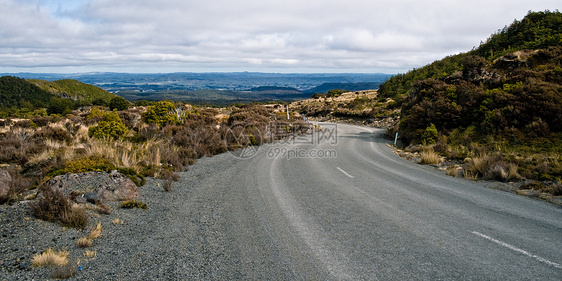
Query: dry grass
{"x": 453, "y": 171}
{"x": 117, "y": 221}
{"x": 75, "y": 216}
{"x": 492, "y": 168}
{"x": 90, "y": 254}
{"x": 50, "y": 258}
{"x": 429, "y": 157}
{"x": 95, "y": 232}
{"x": 84, "y": 242}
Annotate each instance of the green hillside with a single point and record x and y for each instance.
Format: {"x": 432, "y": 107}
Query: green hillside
{"x": 18, "y": 94}
{"x": 76, "y": 90}
{"x": 503, "y": 99}
{"x": 538, "y": 30}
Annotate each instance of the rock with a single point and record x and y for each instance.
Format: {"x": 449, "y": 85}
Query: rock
{"x": 101, "y": 185}
{"x": 91, "y": 197}
{"x": 5, "y": 182}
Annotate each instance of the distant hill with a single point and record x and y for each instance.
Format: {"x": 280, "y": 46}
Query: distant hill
{"x": 351, "y": 87}
{"x": 73, "y": 89}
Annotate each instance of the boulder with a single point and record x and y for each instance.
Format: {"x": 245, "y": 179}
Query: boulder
{"x": 112, "y": 186}
{"x": 5, "y": 182}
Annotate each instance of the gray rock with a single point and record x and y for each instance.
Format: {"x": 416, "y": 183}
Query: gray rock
{"x": 5, "y": 182}
{"x": 91, "y": 197}
{"x": 109, "y": 187}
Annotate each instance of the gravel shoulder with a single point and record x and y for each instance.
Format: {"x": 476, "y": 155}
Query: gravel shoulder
{"x": 183, "y": 235}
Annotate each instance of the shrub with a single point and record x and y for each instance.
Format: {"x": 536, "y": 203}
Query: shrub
{"x": 161, "y": 114}
{"x": 118, "y": 103}
{"x": 82, "y": 165}
{"x": 17, "y": 185}
{"x": 108, "y": 129}
{"x": 59, "y": 106}
{"x": 53, "y": 206}
{"x": 430, "y": 134}
{"x": 133, "y": 204}
{"x": 50, "y": 205}
{"x": 137, "y": 178}
{"x": 65, "y": 271}
{"x": 49, "y": 258}
{"x": 58, "y": 133}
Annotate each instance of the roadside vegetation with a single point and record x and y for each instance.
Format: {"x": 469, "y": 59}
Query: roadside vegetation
{"x": 141, "y": 141}
{"x": 494, "y": 112}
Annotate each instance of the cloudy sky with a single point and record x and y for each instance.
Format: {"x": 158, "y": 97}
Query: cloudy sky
{"x": 370, "y": 36}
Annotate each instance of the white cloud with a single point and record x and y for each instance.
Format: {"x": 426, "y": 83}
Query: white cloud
{"x": 255, "y": 35}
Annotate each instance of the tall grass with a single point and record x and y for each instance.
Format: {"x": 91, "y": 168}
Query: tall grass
{"x": 429, "y": 156}
{"x": 492, "y": 168}
{"x": 50, "y": 258}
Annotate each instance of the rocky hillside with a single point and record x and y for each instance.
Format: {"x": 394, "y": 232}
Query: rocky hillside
{"x": 361, "y": 107}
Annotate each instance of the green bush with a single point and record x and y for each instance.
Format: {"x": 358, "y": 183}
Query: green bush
{"x": 108, "y": 129}
{"x": 111, "y": 126}
{"x": 118, "y": 103}
{"x": 133, "y": 204}
{"x": 430, "y": 134}
{"x": 82, "y": 165}
{"x": 161, "y": 114}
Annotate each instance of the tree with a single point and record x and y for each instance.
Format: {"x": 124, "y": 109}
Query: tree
{"x": 59, "y": 106}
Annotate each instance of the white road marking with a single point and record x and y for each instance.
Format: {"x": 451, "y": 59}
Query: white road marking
{"x": 345, "y": 173}
{"x": 511, "y": 247}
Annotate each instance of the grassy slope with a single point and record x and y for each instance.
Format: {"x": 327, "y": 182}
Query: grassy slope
{"x": 74, "y": 89}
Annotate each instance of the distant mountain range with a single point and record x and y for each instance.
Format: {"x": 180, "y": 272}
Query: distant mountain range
{"x": 234, "y": 81}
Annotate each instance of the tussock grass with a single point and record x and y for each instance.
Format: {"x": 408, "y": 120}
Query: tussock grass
{"x": 429, "y": 157}
{"x": 75, "y": 216}
{"x": 84, "y": 242}
{"x": 492, "y": 168}
{"x": 90, "y": 254}
{"x": 50, "y": 258}
{"x": 95, "y": 232}
{"x": 453, "y": 171}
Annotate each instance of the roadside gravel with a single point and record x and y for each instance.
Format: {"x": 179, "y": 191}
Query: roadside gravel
{"x": 181, "y": 236}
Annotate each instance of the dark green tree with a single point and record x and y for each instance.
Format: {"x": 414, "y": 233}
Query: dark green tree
{"x": 118, "y": 103}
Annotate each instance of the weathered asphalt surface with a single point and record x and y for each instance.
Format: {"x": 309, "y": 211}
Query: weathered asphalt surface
{"x": 363, "y": 214}
{"x": 367, "y": 214}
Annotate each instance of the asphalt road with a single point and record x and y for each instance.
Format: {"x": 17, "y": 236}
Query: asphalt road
{"x": 346, "y": 208}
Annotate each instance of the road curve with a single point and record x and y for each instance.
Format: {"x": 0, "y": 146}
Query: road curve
{"x": 347, "y": 208}
{"x": 337, "y": 206}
